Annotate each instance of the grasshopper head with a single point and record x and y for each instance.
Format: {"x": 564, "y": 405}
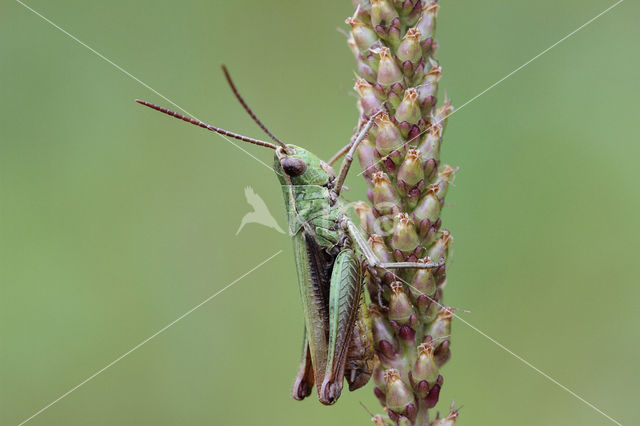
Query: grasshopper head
{"x": 297, "y": 166}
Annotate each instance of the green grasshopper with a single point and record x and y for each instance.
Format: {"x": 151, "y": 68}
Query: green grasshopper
{"x": 331, "y": 255}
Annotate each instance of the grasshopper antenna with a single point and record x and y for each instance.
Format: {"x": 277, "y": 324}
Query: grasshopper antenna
{"x": 249, "y": 111}
{"x": 207, "y": 126}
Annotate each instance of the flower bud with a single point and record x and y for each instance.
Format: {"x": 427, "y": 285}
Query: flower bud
{"x": 382, "y": 13}
{"x": 441, "y": 326}
{"x": 363, "y": 36}
{"x": 431, "y": 311}
{"x": 423, "y": 282}
{"x": 411, "y": 170}
{"x": 385, "y": 197}
{"x": 398, "y": 393}
{"x": 369, "y": 101}
{"x": 378, "y": 378}
{"x": 433, "y": 75}
{"x": 405, "y": 237}
{"x": 400, "y": 307}
{"x": 388, "y": 71}
{"x": 442, "y": 113}
{"x": 425, "y": 367}
{"x": 382, "y": 397}
{"x": 429, "y": 206}
{"x": 427, "y": 22}
{"x": 411, "y": 9}
{"x": 388, "y": 137}
{"x": 410, "y": 49}
{"x": 365, "y": 68}
{"x": 380, "y": 248}
{"x": 367, "y": 219}
{"x": 409, "y": 110}
{"x": 443, "y": 353}
{"x": 434, "y": 393}
{"x": 367, "y": 158}
{"x": 440, "y": 249}
{"x": 445, "y": 178}
{"x": 430, "y": 146}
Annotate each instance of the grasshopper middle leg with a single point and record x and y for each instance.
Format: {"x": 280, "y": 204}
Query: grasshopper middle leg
{"x": 373, "y": 260}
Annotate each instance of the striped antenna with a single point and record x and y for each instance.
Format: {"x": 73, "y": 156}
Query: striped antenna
{"x": 249, "y": 111}
{"x": 207, "y": 126}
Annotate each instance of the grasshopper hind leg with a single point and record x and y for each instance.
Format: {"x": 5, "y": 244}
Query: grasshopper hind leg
{"x": 361, "y": 351}
{"x": 303, "y": 385}
{"x": 344, "y": 298}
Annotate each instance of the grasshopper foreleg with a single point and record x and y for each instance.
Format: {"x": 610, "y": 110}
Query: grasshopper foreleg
{"x": 348, "y": 159}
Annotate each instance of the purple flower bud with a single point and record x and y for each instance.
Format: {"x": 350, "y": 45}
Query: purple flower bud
{"x": 425, "y": 367}
{"x": 367, "y": 158}
{"x": 441, "y": 326}
{"x": 411, "y": 411}
{"x": 430, "y": 146}
{"x": 431, "y": 311}
{"x": 405, "y": 237}
{"x": 367, "y": 219}
{"x": 427, "y": 22}
{"x": 423, "y": 283}
{"x": 398, "y": 394}
{"x": 440, "y": 249}
{"x": 442, "y": 113}
{"x": 443, "y": 353}
{"x": 411, "y": 171}
{"x": 384, "y": 194}
{"x": 407, "y": 334}
{"x": 386, "y": 349}
{"x": 432, "y": 77}
{"x": 382, "y": 397}
{"x": 365, "y": 69}
{"x": 380, "y": 248}
{"x": 378, "y": 378}
{"x": 422, "y": 388}
{"x": 409, "y": 110}
{"x": 400, "y": 307}
{"x": 382, "y": 13}
{"x": 434, "y": 394}
{"x": 369, "y": 101}
{"x": 445, "y": 178}
{"x": 388, "y": 70}
{"x": 364, "y": 36}
{"x": 414, "y": 13}
{"x": 430, "y": 168}
{"x": 388, "y": 137}
{"x": 410, "y": 49}
{"x": 429, "y": 206}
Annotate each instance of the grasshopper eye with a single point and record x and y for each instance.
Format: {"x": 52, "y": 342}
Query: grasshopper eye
{"x": 293, "y": 166}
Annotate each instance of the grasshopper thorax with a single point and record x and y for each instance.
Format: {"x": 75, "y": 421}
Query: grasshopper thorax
{"x": 297, "y": 166}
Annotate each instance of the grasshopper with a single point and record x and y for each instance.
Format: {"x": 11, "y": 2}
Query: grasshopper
{"x": 331, "y": 256}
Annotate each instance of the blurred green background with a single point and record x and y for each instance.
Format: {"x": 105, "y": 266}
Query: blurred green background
{"x": 116, "y": 220}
